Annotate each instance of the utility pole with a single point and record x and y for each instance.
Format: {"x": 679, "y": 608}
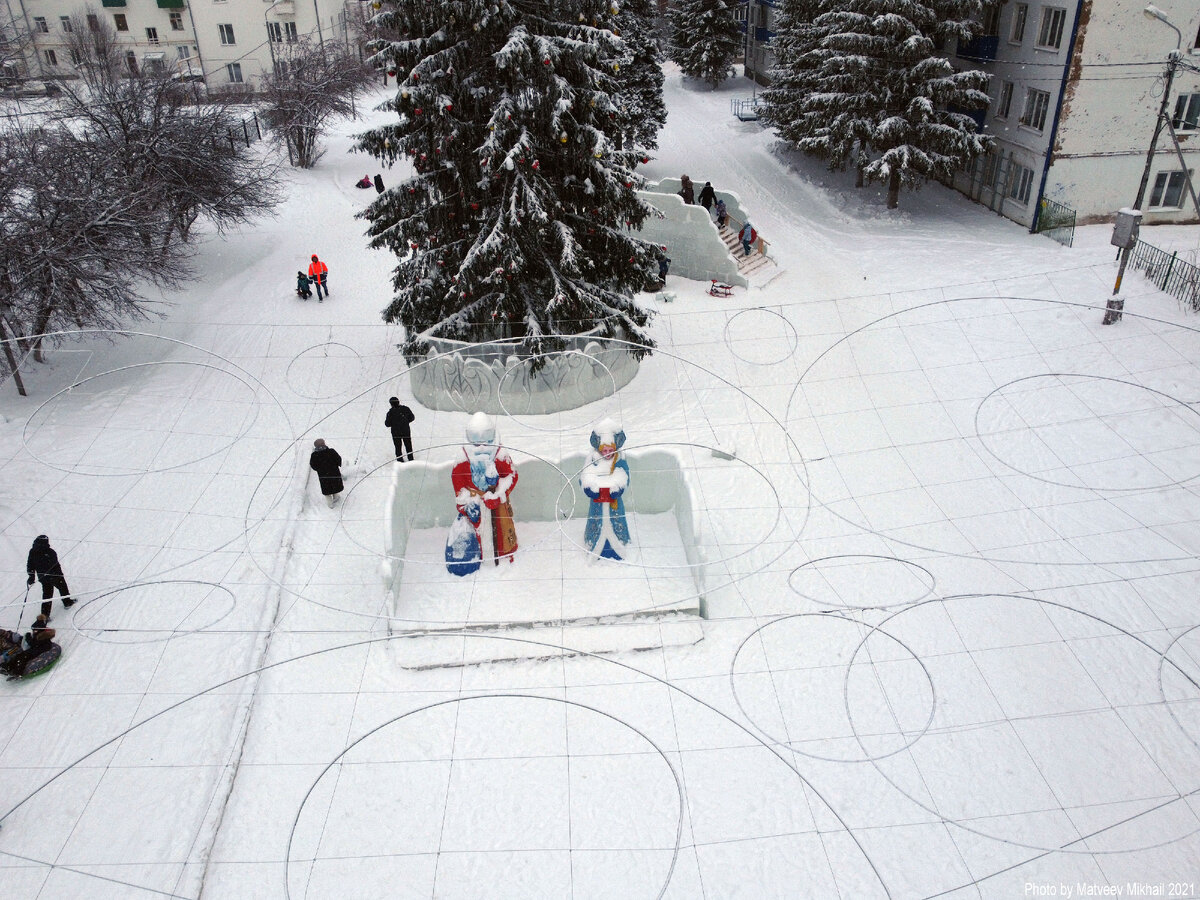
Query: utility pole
{"x": 1112, "y": 314}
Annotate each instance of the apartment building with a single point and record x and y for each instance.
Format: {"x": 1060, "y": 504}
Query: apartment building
{"x": 756, "y": 19}
{"x": 1075, "y": 91}
{"x": 226, "y": 42}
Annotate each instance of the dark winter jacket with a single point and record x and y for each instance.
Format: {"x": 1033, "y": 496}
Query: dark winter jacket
{"x": 302, "y": 284}
{"x": 379, "y": 184}
{"x": 707, "y": 195}
{"x": 688, "y": 191}
{"x": 398, "y": 418}
{"x": 43, "y": 561}
{"x": 327, "y": 464}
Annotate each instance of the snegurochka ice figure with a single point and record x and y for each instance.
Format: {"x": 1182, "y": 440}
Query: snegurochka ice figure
{"x": 604, "y": 480}
{"x": 483, "y": 483}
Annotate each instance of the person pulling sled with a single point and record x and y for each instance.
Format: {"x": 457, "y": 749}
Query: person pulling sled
{"x": 42, "y": 564}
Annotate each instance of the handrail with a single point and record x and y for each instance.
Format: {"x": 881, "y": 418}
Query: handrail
{"x": 760, "y": 244}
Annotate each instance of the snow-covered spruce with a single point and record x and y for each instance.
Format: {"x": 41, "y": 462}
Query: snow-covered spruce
{"x": 640, "y": 80}
{"x": 516, "y": 219}
{"x": 861, "y": 82}
{"x": 705, "y": 39}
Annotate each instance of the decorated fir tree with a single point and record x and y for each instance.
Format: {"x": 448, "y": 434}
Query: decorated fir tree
{"x": 705, "y": 39}
{"x": 862, "y": 82}
{"x": 517, "y": 217}
{"x": 640, "y": 80}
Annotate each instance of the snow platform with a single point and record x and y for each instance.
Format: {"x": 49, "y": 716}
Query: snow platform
{"x": 547, "y": 601}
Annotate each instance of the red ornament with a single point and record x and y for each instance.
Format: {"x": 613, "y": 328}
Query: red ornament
{"x": 474, "y": 206}
{"x": 417, "y": 111}
{"x": 391, "y": 73}
{"x": 546, "y": 61}
{"x": 645, "y": 159}
{"x": 449, "y": 107}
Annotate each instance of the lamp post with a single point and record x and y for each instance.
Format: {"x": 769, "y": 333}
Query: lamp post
{"x": 1112, "y": 313}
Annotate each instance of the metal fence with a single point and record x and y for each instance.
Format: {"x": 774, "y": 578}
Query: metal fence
{"x": 246, "y": 133}
{"x": 1170, "y": 274}
{"x": 1056, "y": 222}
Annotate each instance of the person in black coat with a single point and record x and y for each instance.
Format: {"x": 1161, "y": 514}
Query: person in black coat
{"x": 398, "y": 418}
{"x": 326, "y": 462}
{"x": 707, "y": 195}
{"x": 42, "y": 564}
{"x": 379, "y": 184}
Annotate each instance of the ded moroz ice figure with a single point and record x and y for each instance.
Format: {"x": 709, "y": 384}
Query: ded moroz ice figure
{"x": 604, "y": 480}
{"x": 483, "y": 483}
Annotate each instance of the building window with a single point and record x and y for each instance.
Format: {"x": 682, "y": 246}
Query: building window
{"x": 1020, "y": 183}
{"x": 66, "y": 24}
{"x": 119, "y": 22}
{"x": 93, "y": 21}
{"x": 76, "y": 59}
{"x": 39, "y": 24}
{"x": 235, "y": 73}
{"x": 991, "y": 21}
{"x": 279, "y": 32}
{"x": 152, "y": 35}
{"x": 991, "y": 164}
{"x": 131, "y": 62}
{"x": 1051, "y": 30}
{"x": 1020, "y": 14}
{"x": 183, "y": 51}
{"x": 176, "y": 21}
{"x": 1168, "y": 190}
{"x": 1005, "y": 105}
{"x": 51, "y": 57}
{"x": 1187, "y": 112}
{"x": 1037, "y": 104}
{"x": 226, "y": 34}
{"x": 281, "y": 68}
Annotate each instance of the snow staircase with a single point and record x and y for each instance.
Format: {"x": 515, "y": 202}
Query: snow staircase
{"x": 757, "y": 261}
{"x": 481, "y": 645}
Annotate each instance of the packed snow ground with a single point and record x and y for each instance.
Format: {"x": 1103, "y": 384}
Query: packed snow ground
{"x": 951, "y": 644}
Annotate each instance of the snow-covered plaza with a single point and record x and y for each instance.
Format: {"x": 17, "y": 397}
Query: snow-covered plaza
{"x": 948, "y": 527}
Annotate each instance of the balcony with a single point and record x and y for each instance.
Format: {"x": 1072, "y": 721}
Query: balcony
{"x": 763, "y": 35}
{"x": 112, "y": 4}
{"x": 981, "y": 47}
{"x": 170, "y": 4}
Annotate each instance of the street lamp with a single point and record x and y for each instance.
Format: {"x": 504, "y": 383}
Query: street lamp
{"x": 1115, "y": 305}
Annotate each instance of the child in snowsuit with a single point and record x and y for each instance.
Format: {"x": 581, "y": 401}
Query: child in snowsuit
{"x": 365, "y": 183}
{"x": 722, "y": 214}
{"x": 39, "y": 639}
{"x": 302, "y": 289}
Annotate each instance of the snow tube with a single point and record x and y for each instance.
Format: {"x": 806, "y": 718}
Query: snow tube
{"x": 40, "y": 664}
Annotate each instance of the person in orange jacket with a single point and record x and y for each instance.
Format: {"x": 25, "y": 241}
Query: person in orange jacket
{"x": 318, "y": 274}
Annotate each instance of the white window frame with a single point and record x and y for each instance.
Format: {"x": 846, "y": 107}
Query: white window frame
{"x": 1004, "y": 101}
{"x": 176, "y": 19}
{"x": 1051, "y": 27}
{"x": 183, "y": 51}
{"x": 65, "y": 22}
{"x": 1037, "y": 109}
{"x": 225, "y": 29}
{"x": 1167, "y": 184}
{"x": 991, "y": 168}
{"x": 1020, "y": 19}
{"x": 40, "y": 24}
{"x": 1020, "y": 183}
{"x": 234, "y": 72}
{"x": 51, "y": 58}
{"x": 152, "y": 36}
{"x": 1187, "y": 113}
{"x": 76, "y": 58}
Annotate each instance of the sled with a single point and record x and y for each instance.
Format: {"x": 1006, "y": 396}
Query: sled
{"x": 40, "y": 664}
{"x": 720, "y": 289}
